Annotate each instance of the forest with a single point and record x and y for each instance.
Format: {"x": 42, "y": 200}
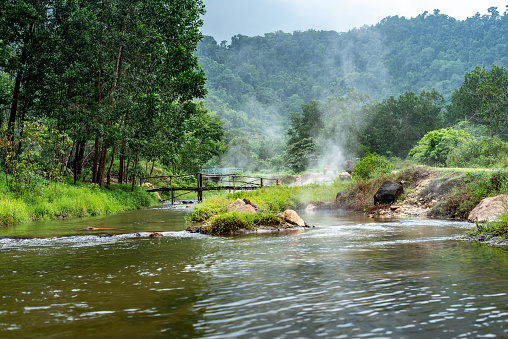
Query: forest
{"x": 92, "y": 90}
{"x": 303, "y": 100}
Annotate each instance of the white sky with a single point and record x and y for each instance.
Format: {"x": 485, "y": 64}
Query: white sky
{"x": 226, "y": 18}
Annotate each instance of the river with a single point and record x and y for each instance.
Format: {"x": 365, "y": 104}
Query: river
{"x": 347, "y": 277}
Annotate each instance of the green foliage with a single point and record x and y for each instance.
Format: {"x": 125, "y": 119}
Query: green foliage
{"x": 229, "y": 222}
{"x": 272, "y": 200}
{"x": 55, "y": 199}
{"x": 473, "y": 187}
{"x": 495, "y": 230}
{"x": 397, "y": 124}
{"x": 434, "y": 147}
{"x": 478, "y": 152}
{"x": 109, "y": 75}
{"x": 482, "y": 99}
{"x": 371, "y": 166}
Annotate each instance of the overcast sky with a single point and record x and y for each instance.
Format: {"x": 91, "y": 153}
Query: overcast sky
{"x": 226, "y": 18}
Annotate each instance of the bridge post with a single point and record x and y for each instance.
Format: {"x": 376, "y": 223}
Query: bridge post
{"x": 172, "y": 192}
{"x": 199, "y": 177}
{"x": 261, "y": 182}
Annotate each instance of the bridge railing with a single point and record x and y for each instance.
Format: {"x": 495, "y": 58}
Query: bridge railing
{"x": 200, "y": 182}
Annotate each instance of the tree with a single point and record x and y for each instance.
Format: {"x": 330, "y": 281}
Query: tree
{"x": 434, "y": 148}
{"x": 482, "y": 99}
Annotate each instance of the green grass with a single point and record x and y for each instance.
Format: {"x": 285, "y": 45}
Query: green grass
{"x": 491, "y": 231}
{"x": 271, "y": 200}
{"x": 232, "y": 221}
{"x": 50, "y": 200}
{"x": 472, "y": 188}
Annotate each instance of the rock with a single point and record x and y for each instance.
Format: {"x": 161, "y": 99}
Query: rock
{"x": 248, "y": 202}
{"x": 194, "y": 229}
{"x": 156, "y": 235}
{"x": 388, "y": 193}
{"x": 240, "y": 206}
{"x": 349, "y": 166}
{"x": 489, "y": 209}
{"x": 344, "y": 176}
{"x": 292, "y": 217}
{"x": 310, "y": 207}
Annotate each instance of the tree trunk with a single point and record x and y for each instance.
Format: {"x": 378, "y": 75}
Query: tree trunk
{"x": 134, "y": 175}
{"x": 95, "y": 161}
{"x": 108, "y": 181}
{"x": 153, "y": 165}
{"x": 102, "y": 165}
{"x": 17, "y": 85}
{"x": 121, "y": 168}
{"x": 78, "y": 161}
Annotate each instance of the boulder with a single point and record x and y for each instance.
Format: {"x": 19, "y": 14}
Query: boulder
{"x": 240, "y": 206}
{"x": 292, "y": 217}
{"x": 489, "y": 209}
{"x": 344, "y": 176}
{"x": 388, "y": 193}
{"x": 349, "y": 166}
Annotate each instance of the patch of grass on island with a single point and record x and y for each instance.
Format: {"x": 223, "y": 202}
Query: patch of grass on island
{"x": 232, "y": 221}
{"x": 271, "y": 200}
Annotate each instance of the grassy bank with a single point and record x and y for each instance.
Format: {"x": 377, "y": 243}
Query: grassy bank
{"x": 50, "y": 200}
{"x": 494, "y": 233}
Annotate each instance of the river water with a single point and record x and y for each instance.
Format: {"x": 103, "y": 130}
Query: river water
{"x": 347, "y": 277}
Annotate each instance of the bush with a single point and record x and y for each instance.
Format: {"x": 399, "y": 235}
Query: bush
{"x": 480, "y": 152}
{"x": 491, "y": 230}
{"x": 474, "y": 187}
{"x": 229, "y": 222}
{"x": 433, "y": 149}
{"x": 371, "y": 166}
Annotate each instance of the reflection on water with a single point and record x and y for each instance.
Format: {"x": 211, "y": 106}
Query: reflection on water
{"x": 350, "y": 276}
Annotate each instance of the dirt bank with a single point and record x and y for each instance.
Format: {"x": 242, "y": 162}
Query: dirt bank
{"x": 424, "y": 190}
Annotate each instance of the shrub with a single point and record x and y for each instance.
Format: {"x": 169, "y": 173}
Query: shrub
{"x": 474, "y": 187}
{"x": 370, "y": 167}
{"x": 229, "y": 222}
{"x": 434, "y": 147}
{"x": 480, "y": 152}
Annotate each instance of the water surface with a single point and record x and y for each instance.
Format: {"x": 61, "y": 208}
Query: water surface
{"x": 350, "y": 276}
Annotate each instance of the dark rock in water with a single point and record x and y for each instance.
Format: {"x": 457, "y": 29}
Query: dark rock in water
{"x": 388, "y": 193}
{"x": 194, "y": 229}
{"x": 156, "y": 235}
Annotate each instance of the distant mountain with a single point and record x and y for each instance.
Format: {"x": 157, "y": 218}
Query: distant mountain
{"x": 256, "y": 82}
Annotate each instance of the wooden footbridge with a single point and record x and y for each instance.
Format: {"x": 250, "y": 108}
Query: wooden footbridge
{"x": 179, "y": 185}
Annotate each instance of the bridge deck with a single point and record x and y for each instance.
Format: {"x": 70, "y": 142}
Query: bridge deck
{"x": 230, "y": 182}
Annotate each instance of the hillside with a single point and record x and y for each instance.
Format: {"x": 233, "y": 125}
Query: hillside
{"x": 260, "y": 80}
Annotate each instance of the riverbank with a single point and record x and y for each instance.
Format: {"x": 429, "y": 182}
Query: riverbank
{"x": 57, "y": 200}
{"x": 436, "y": 193}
